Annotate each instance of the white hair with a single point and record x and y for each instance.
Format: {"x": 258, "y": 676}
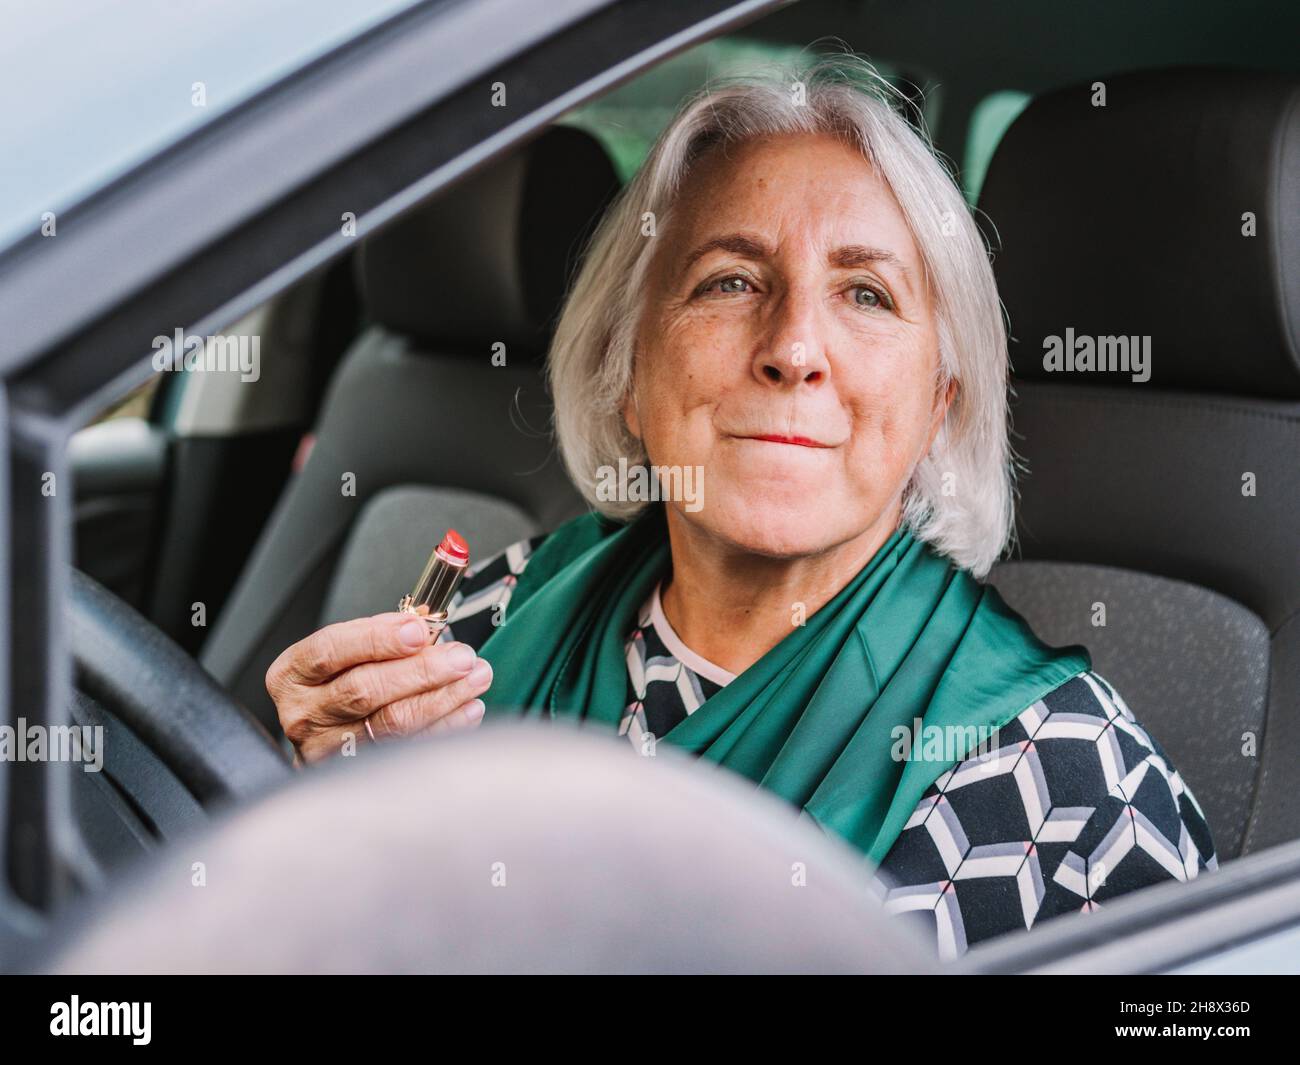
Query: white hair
{"x": 960, "y": 495}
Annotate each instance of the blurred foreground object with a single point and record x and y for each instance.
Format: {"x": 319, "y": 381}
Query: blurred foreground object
{"x": 523, "y": 847}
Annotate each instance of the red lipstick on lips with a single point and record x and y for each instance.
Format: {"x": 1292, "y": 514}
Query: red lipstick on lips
{"x": 801, "y": 440}
{"x": 438, "y": 582}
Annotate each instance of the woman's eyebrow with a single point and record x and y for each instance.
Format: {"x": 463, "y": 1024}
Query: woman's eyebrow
{"x": 845, "y": 257}
{"x": 852, "y": 255}
{"x": 744, "y": 244}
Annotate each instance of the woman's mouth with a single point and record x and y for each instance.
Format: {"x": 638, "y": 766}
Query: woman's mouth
{"x": 778, "y": 438}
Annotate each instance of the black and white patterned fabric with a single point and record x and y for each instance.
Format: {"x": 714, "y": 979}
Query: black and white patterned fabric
{"x": 1074, "y": 804}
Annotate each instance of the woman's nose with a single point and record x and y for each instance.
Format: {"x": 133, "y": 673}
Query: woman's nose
{"x": 795, "y": 352}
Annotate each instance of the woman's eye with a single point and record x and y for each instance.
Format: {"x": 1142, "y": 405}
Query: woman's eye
{"x": 727, "y": 286}
{"x": 872, "y": 299}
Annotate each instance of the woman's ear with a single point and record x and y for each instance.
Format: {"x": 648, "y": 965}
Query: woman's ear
{"x": 943, "y": 400}
{"x": 631, "y": 416}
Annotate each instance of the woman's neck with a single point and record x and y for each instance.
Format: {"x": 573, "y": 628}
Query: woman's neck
{"x": 731, "y": 607}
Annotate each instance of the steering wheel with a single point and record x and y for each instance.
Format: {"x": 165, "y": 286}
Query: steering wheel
{"x": 175, "y": 742}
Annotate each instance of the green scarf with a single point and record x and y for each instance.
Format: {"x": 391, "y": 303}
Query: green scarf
{"x": 823, "y": 718}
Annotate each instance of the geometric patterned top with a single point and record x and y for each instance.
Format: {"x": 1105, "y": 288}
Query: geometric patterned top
{"x": 1076, "y": 805}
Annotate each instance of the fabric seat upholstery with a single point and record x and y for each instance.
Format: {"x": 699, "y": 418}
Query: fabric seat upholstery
{"x": 422, "y": 429}
{"x": 1174, "y": 501}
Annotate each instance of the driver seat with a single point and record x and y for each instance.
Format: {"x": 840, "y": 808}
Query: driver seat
{"x": 438, "y": 415}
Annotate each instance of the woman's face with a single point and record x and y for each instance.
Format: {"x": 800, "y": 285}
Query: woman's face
{"x": 788, "y": 348}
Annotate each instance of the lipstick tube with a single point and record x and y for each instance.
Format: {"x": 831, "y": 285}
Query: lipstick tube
{"x": 437, "y": 584}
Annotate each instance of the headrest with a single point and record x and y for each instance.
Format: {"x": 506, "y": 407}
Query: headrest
{"x": 490, "y": 259}
{"x": 1131, "y": 220}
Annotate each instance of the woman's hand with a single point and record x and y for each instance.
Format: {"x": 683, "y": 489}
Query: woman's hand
{"x": 381, "y": 668}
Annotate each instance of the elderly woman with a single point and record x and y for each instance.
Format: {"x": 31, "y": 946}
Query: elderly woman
{"x": 791, "y": 309}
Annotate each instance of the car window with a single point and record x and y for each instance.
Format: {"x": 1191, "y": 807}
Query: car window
{"x": 627, "y": 120}
{"x": 162, "y": 70}
{"x": 137, "y": 403}
{"x": 990, "y": 119}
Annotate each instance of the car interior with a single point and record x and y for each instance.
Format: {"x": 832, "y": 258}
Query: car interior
{"x": 238, "y": 519}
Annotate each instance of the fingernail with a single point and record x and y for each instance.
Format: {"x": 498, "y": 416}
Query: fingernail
{"x": 474, "y": 709}
{"x": 414, "y": 634}
{"x": 481, "y": 673}
{"x": 460, "y": 658}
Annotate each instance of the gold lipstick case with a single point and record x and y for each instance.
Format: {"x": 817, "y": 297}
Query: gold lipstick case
{"x": 431, "y": 598}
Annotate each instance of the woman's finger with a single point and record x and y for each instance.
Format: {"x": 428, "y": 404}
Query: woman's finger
{"x": 371, "y": 687}
{"x": 331, "y": 741}
{"x": 468, "y": 716}
{"x": 330, "y": 651}
{"x": 419, "y": 712}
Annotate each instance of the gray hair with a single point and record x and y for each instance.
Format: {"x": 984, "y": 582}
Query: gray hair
{"x": 960, "y": 496}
